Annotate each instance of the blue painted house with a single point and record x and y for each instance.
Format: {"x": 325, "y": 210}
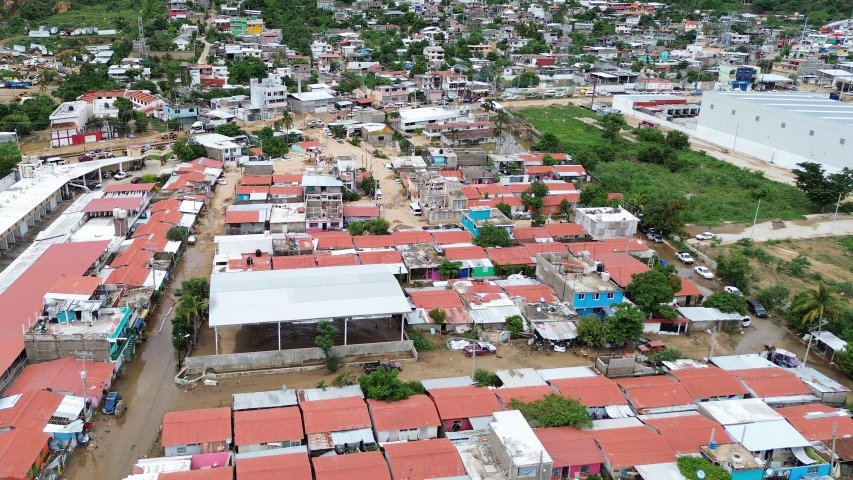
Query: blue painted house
{"x": 592, "y": 293}
{"x": 186, "y": 113}
{"x": 475, "y": 217}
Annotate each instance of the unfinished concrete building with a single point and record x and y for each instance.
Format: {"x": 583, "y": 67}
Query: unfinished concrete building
{"x": 107, "y": 334}
{"x": 324, "y": 205}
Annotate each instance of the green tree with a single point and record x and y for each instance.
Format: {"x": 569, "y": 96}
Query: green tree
{"x": 325, "y": 340}
{"x": 612, "y": 124}
{"x": 820, "y": 188}
{"x": 193, "y": 308}
{"x": 626, "y": 324}
{"x": 17, "y": 122}
{"x": 177, "y": 234}
{"x": 10, "y": 157}
{"x": 369, "y": 185}
{"x": 356, "y": 228}
{"x": 664, "y": 214}
{"x": 438, "y": 316}
{"x": 592, "y": 331}
{"x": 187, "y": 149}
{"x": 816, "y": 306}
{"x": 449, "y": 270}
{"x": 734, "y": 268}
{"x": 276, "y": 147}
{"x": 197, "y": 287}
{"x": 383, "y": 384}
{"x": 774, "y": 298}
{"x": 505, "y": 209}
{"x": 554, "y": 410}
{"x": 594, "y": 196}
{"x": 727, "y": 302}
{"x": 145, "y": 85}
{"x": 491, "y": 236}
{"x": 648, "y": 290}
{"x": 515, "y": 324}
{"x": 526, "y": 79}
{"x": 377, "y": 226}
{"x": 485, "y": 378}
{"x": 533, "y": 196}
{"x": 549, "y": 161}
{"x": 549, "y": 143}
{"x": 678, "y": 140}
{"x": 229, "y": 129}
{"x": 241, "y": 71}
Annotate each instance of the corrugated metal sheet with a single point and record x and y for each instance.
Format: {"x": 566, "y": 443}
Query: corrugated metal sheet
{"x": 561, "y": 330}
{"x": 660, "y": 471}
{"x": 619, "y": 411}
{"x": 565, "y": 372}
{"x": 449, "y": 382}
{"x": 741, "y": 362}
{"x": 312, "y": 394}
{"x": 493, "y": 314}
{"x": 272, "y": 399}
{"x": 353, "y": 436}
{"x": 830, "y": 340}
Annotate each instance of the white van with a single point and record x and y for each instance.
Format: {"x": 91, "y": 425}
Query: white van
{"x": 55, "y": 161}
{"x": 416, "y": 209}
{"x": 377, "y": 194}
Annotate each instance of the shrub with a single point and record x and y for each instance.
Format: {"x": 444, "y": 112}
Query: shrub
{"x": 485, "y": 378}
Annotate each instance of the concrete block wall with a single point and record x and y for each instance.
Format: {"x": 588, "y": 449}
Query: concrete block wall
{"x": 44, "y": 348}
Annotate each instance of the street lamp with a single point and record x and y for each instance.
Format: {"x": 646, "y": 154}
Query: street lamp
{"x": 180, "y": 344}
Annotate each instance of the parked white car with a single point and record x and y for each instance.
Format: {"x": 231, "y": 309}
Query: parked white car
{"x": 221, "y": 181}
{"x": 120, "y": 175}
{"x": 732, "y": 290}
{"x": 704, "y": 236}
{"x": 704, "y": 272}
{"x": 388, "y": 167}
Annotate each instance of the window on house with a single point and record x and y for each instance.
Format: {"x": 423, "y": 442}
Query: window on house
{"x": 527, "y": 471}
{"x": 813, "y": 470}
{"x": 181, "y": 450}
{"x": 733, "y": 112}
{"x": 783, "y": 125}
{"x": 841, "y": 141}
{"x": 811, "y": 133}
{"x": 581, "y": 296}
{"x": 756, "y": 118}
{"x": 585, "y": 469}
{"x": 596, "y": 296}
{"x": 712, "y": 106}
{"x": 611, "y": 295}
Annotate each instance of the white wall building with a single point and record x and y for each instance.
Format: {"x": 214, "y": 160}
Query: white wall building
{"x": 68, "y": 119}
{"x": 269, "y": 94}
{"x": 416, "y": 118}
{"x": 605, "y": 222}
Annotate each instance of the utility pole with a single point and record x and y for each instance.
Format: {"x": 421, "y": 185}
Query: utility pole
{"x": 837, "y": 204}
{"x": 713, "y": 338}
{"x": 83, "y": 356}
{"x": 756, "y": 219}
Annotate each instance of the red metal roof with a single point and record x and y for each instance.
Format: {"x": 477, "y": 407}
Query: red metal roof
{"x": 361, "y": 466}
{"x": 102, "y": 205}
{"x": 817, "y": 429}
{"x": 429, "y": 299}
{"x": 243, "y": 216}
{"x": 131, "y": 275}
{"x": 25, "y": 296}
{"x": 424, "y": 459}
{"x": 564, "y": 229}
{"x": 76, "y": 285}
{"x": 569, "y": 447}
{"x": 380, "y": 257}
{"x": 685, "y": 434}
{"x": 510, "y": 255}
{"x": 709, "y": 382}
{"x": 609, "y": 245}
{"x": 557, "y": 199}
{"x": 256, "y": 180}
{"x": 530, "y": 233}
{"x": 450, "y": 237}
{"x": 287, "y": 179}
{"x": 688, "y": 288}
{"x": 63, "y": 376}
{"x": 190, "y": 427}
{"x": 172, "y": 217}
{"x": 218, "y": 473}
{"x": 250, "y": 189}
{"x": 523, "y": 394}
{"x": 417, "y": 411}
{"x": 19, "y": 450}
{"x": 548, "y": 247}
{"x": 335, "y": 415}
{"x": 465, "y": 253}
{"x": 533, "y": 293}
{"x": 294, "y": 261}
{"x": 374, "y": 241}
{"x": 620, "y": 446}
{"x": 163, "y": 205}
{"x": 653, "y": 392}
{"x": 411, "y": 236}
{"x": 157, "y": 229}
{"x": 361, "y": 211}
{"x": 137, "y": 257}
{"x": 32, "y": 411}
{"x": 464, "y": 402}
{"x": 471, "y": 192}
{"x": 130, "y": 187}
{"x": 598, "y": 391}
{"x": 328, "y": 260}
{"x": 284, "y": 190}
{"x": 333, "y": 240}
{"x": 292, "y": 466}
{"x": 510, "y": 200}
{"x": 267, "y": 425}
{"x": 772, "y": 382}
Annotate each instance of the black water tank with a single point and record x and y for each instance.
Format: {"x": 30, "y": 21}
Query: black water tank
{"x": 248, "y": 260}
{"x": 258, "y": 252}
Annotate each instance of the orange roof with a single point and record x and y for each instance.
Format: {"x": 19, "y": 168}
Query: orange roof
{"x": 595, "y": 391}
{"x": 361, "y": 211}
{"x": 493, "y": 189}
{"x": 137, "y": 257}
{"x": 539, "y": 169}
{"x": 380, "y": 257}
{"x": 256, "y": 180}
{"x": 329, "y": 260}
{"x": 132, "y": 275}
{"x": 470, "y": 192}
{"x": 817, "y": 429}
{"x": 450, "y": 237}
{"x": 533, "y": 293}
{"x": 538, "y": 157}
{"x": 609, "y": 245}
{"x": 361, "y": 466}
{"x": 569, "y": 447}
{"x": 619, "y": 446}
{"x": 556, "y": 200}
{"x": 76, "y": 285}
{"x": 465, "y": 253}
{"x": 709, "y": 382}
{"x": 523, "y": 394}
{"x": 287, "y": 179}
{"x": 464, "y": 402}
{"x": 510, "y": 255}
{"x": 107, "y": 204}
{"x": 577, "y": 169}
{"x": 129, "y": 187}
{"x": 190, "y": 427}
{"x": 654, "y": 392}
{"x": 243, "y": 216}
{"x": 410, "y": 237}
{"x": 528, "y": 233}
{"x": 417, "y": 411}
{"x": 333, "y": 240}
{"x": 688, "y": 288}
{"x": 510, "y": 200}
{"x": 564, "y": 229}
{"x": 19, "y": 450}
{"x": 163, "y": 205}
{"x": 32, "y": 411}
{"x": 292, "y": 466}
{"x": 250, "y": 189}
{"x": 685, "y": 434}
{"x": 424, "y": 459}
{"x": 294, "y": 261}
{"x": 218, "y": 473}
{"x": 374, "y": 241}
{"x": 267, "y": 425}
{"x": 63, "y": 376}
{"x": 772, "y": 382}
{"x": 172, "y": 217}
{"x": 335, "y": 415}
{"x": 429, "y": 299}
{"x": 535, "y": 248}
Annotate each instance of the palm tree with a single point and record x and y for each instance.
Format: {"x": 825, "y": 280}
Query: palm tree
{"x": 489, "y": 104}
{"x": 285, "y": 121}
{"x": 192, "y": 307}
{"x": 637, "y": 202}
{"x": 817, "y": 305}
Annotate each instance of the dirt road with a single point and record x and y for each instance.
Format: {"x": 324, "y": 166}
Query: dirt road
{"x": 814, "y": 226}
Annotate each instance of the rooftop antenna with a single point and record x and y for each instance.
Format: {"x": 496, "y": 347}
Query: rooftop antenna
{"x": 802, "y": 36}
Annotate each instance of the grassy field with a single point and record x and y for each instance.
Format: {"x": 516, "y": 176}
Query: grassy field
{"x": 714, "y": 191}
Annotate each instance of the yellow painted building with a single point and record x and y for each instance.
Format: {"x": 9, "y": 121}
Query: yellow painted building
{"x": 254, "y": 26}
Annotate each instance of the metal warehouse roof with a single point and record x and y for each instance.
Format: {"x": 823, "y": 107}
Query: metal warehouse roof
{"x": 271, "y": 399}
{"x": 304, "y": 294}
{"x": 815, "y": 106}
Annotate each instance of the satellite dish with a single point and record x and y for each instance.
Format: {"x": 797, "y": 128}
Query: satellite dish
{"x": 700, "y": 474}
{"x": 768, "y": 472}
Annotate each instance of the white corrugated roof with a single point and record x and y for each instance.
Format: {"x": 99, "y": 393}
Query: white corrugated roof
{"x": 243, "y": 298}
{"x": 762, "y": 436}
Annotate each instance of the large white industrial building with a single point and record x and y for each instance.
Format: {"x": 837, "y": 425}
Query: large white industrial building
{"x": 783, "y": 128}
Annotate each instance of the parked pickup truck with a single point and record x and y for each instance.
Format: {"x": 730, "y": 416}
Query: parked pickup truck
{"x": 111, "y": 402}
{"x": 370, "y": 367}
{"x": 651, "y": 347}
{"x": 684, "y": 257}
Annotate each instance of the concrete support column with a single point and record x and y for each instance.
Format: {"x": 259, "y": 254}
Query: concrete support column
{"x": 279, "y": 335}
{"x": 402, "y": 326}
{"x": 345, "y": 329}
{"x": 216, "y": 339}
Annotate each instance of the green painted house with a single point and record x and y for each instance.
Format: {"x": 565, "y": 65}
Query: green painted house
{"x": 475, "y": 262}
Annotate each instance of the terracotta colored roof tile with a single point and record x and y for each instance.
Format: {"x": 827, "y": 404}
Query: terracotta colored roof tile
{"x": 598, "y": 391}
{"x": 564, "y": 229}
{"x": 32, "y": 411}
{"x": 196, "y": 426}
{"x": 533, "y": 293}
{"x": 511, "y": 255}
{"x": 568, "y": 450}
{"x": 267, "y": 425}
{"x": 688, "y": 288}
{"x": 817, "y": 429}
{"x": 429, "y": 299}
{"x": 243, "y": 216}
{"x": 294, "y": 261}
{"x": 250, "y": 189}
{"x": 328, "y": 260}
{"x": 685, "y": 434}
{"x": 464, "y": 402}
{"x": 361, "y": 211}
{"x": 465, "y": 253}
{"x": 335, "y": 415}
{"x": 360, "y": 466}
{"x": 653, "y": 392}
{"x": 547, "y": 247}
{"x": 772, "y": 382}
{"x": 619, "y": 446}
{"x": 76, "y": 285}
{"x": 374, "y": 241}
{"x": 380, "y": 257}
{"x": 424, "y": 459}
{"x": 450, "y": 237}
{"x": 417, "y": 411}
{"x": 530, "y": 233}
{"x": 292, "y": 466}
{"x": 63, "y": 375}
{"x": 709, "y": 382}
{"x": 523, "y": 394}
{"x": 411, "y": 237}
{"x": 256, "y": 180}
{"x": 19, "y": 449}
